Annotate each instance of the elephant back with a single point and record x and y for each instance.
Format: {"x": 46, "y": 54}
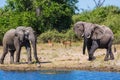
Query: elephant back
{"x": 108, "y": 31}
{"x": 9, "y": 36}
{"x": 20, "y": 28}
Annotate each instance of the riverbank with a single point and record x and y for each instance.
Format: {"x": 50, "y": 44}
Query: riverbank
{"x": 58, "y": 57}
{"x": 33, "y": 67}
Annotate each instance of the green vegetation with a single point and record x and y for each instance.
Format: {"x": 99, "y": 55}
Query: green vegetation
{"x": 54, "y": 19}
{"x": 56, "y": 36}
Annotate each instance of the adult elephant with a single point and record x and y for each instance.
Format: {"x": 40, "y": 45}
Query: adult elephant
{"x": 12, "y": 42}
{"x": 79, "y": 29}
{"x": 30, "y": 37}
{"x": 95, "y": 36}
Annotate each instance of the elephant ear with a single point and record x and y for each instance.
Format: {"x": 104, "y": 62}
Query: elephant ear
{"x": 16, "y": 33}
{"x": 98, "y": 32}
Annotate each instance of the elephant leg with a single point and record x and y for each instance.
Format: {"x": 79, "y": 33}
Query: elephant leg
{"x": 107, "y": 55}
{"x": 29, "y": 55}
{"x": 89, "y": 44}
{"x": 35, "y": 51}
{"x": 110, "y": 50}
{"x": 11, "y": 56}
{"x": 111, "y": 54}
{"x": 5, "y": 51}
{"x": 88, "y": 49}
{"x": 92, "y": 50}
{"x": 18, "y": 55}
{"x": 36, "y": 58}
{"x": 18, "y": 49}
{"x": 28, "y": 48}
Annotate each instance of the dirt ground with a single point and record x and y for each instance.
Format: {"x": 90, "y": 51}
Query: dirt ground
{"x": 58, "y": 57}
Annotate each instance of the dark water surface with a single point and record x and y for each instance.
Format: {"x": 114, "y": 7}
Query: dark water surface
{"x": 59, "y": 75}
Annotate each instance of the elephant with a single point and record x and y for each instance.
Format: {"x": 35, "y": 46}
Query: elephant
{"x": 95, "y": 36}
{"x": 79, "y": 31}
{"x": 30, "y": 37}
{"x": 12, "y": 42}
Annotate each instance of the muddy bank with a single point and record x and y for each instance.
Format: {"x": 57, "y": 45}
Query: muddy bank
{"x": 58, "y": 57}
{"x": 60, "y": 66}
{"x": 82, "y": 67}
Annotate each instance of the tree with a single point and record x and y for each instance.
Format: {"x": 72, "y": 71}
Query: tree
{"x": 20, "y": 5}
{"x": 98, "y": 3}
{"x": 47, "y": 14}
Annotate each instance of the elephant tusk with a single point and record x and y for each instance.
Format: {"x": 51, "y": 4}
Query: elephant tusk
{"x": 88, "y": 36}
{"x": 82, "y": 35}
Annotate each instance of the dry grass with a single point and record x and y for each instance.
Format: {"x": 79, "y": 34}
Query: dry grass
{"x": 59, "y": 57}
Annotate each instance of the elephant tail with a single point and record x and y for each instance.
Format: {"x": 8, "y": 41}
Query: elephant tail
{"x": 114, "y": 43}
{"x": 115, "y": 49}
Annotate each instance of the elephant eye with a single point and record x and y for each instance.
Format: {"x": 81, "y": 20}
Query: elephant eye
{"x": 81, "y": 30}
{"x": 77, "y": 26}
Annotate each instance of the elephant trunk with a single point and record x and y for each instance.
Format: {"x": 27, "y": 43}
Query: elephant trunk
{"x": 84, "y": 45}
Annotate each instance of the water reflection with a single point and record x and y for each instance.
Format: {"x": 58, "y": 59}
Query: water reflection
{"x": 54, "y": 71}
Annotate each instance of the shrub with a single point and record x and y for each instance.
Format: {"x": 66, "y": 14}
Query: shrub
{"x": 56, "y": 36}
{"x": 70, "y": 35}
{"x": 52, "y": 35}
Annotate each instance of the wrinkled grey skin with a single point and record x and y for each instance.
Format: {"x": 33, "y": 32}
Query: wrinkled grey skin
{"x": 12, "y": 42}
{"x": 30, "y": 37}
{"x": 79, "y": 30}
{"x": 95, "y": 36}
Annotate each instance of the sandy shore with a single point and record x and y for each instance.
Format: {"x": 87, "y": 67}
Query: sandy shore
{"x": 58, "y": 57}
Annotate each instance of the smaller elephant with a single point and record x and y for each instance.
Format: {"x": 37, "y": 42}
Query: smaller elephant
{"x": 30, "y": 39}
{"x": 12, "y": 41}
{"x": 95, "y": 36}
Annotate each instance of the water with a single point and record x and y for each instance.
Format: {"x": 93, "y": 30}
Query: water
{"x": 59, "y": 75}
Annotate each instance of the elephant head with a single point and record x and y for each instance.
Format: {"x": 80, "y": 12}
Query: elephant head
{"x": 94, "y": 32}
{"x": 79, "y": 28}
{"x": 31, "y": 37}
{"x": 20, "y": 34}
{"x": 30, "y": 34}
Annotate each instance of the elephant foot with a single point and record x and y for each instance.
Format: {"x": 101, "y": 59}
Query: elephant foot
{"x": 83, "y": 53}
{"x": 91, "y": 58}
{"x": 106, "y": 59}
{"x": 29, "y": 62}
{"x": 11, "y": 62}
{"x": 112, "y": 58}
{"x": 17, "y": 62}
{"x": 1, "y": 62}
{"x": 38, "y": 62}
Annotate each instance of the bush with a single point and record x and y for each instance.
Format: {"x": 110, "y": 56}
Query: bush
{"x": 56, "y": 36}
{"x": 70, "y": 35}
{"x": 52, "y": 35}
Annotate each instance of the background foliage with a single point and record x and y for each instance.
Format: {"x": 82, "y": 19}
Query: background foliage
{"x": 54, "y": 19}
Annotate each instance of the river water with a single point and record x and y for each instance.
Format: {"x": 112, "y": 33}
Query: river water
{"x": 59, "y": 75}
